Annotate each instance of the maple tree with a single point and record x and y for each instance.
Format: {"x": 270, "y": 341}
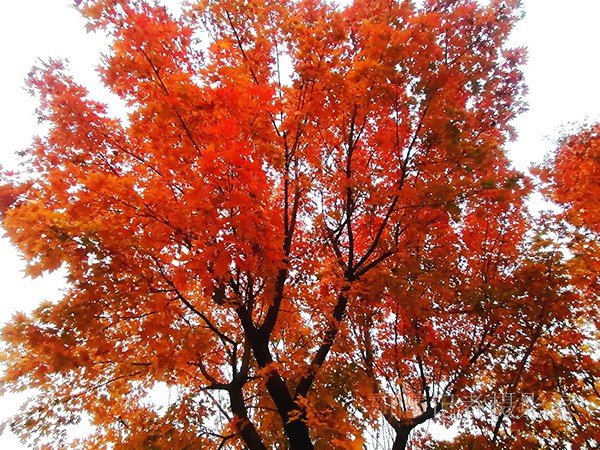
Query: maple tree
{"x": 573, "y": 174}
{"x": 305, "y": 226}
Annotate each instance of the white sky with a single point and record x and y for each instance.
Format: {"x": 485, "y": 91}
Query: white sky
{"x": 563, "y": 38}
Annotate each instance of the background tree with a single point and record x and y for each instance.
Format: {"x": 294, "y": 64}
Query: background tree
{"x": 304, "y": 224}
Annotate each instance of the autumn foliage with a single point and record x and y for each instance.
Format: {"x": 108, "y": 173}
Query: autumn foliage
{"x": 573, "y": 175}
{"x": 305, "y": 227}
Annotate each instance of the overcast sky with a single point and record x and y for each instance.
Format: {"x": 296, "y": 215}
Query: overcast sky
{"x": 562, "y": 73}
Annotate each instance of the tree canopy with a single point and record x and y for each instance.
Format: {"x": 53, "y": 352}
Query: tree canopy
{"x": 306, "y": 228}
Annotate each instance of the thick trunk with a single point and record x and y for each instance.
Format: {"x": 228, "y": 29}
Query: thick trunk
{"x": 403, "y": 429}
{"x": 296, "y": 431}
{"x": 297, "y": 434}
{"x": 401, "y": 440}
{"x": 244, "y": 426}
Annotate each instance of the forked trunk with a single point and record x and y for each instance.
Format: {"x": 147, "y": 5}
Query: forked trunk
{"x": 401, "y": 440}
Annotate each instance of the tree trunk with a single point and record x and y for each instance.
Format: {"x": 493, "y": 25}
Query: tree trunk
{"x": 296, "y": 431}
{"x": 244, "y": 426}
{"x": 401, "y": 440}
{"x": 297, "y": 434}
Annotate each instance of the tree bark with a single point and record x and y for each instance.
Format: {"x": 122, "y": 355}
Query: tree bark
{"x": 296, "y": 431}
{"x": 401, "y": 440}
{"x": 403, "y": 429}
{"x": 244, "y": 426}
